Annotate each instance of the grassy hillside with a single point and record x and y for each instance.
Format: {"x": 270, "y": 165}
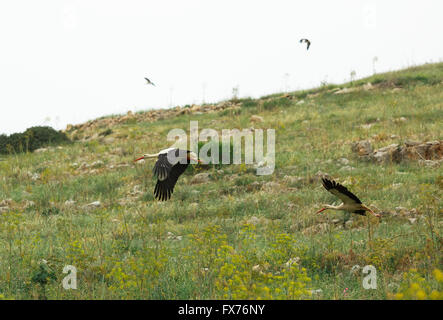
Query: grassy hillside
{"x": 238, "y": 235}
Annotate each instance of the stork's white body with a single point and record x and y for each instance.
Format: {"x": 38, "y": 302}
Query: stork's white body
{"x": 173, "y": 157}
{"x": 350, "y": 207}
{"x": 350, "y": 201}
{"x": 155, "y": 155}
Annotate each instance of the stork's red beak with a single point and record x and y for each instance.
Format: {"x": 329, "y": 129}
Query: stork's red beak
{"x": 195, "y": 159}
{"x": 321, "y": 210}
{"x": 198, "y": 161}
{"x": 141, "y": 158}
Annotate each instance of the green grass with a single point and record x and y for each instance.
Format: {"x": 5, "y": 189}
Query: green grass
{"x": 231, "y": 237}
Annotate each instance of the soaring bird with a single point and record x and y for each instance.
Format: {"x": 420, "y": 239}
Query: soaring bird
{"x": 350, "y": 201}
{"x": 308, "y": 43}
{"x": 171, "y": 163}
{"x": 149, "y": 81}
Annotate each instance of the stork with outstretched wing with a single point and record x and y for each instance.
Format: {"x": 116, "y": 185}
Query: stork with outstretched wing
{"x": 350, "y": 201}
{"x": 170, "y": 165}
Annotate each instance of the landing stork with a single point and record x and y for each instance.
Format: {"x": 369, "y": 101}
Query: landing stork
{"x": 350, "y": 201}
{"x": 171, "y": 163}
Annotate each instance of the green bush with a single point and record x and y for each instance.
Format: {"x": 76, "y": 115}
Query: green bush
{"x": 105, "y": 133}
{"x": 32, "y": 139}
{"x": 50, "y": 211}
{"x": 274, "y": 103}
{"x": 249, "y": 103}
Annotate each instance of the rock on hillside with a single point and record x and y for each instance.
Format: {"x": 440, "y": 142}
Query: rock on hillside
{"x": 427, "y": 153}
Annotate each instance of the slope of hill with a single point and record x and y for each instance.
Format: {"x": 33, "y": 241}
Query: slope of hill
{"x": 238, "y": 235}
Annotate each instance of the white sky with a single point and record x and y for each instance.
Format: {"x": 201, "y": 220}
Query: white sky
{"x": 70, "y": 61}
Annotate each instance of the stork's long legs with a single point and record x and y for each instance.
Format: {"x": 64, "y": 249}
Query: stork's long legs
{"x": 370, "y": 211}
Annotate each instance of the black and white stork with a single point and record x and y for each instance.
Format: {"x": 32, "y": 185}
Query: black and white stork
{"x": 350, "y": 201}
{"x": 171, "y": 164}
{"x": 308, "y": 43}
{"x": 149, "y": 81}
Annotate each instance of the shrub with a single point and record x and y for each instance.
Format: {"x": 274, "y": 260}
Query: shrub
{"x": 416, "y": 79}
{"x": 245, "y": 272}
{"x": 249, "y": 103}
{"x": 32, "y": 139}
{"x": 415, "y": 287}
{"x": 105, "y": 133}
{"x": 50, "y": 211}
{"x": 274, "y": 103}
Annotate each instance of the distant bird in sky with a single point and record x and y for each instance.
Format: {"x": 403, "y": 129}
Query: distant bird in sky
{"x": 171, "y": 164}
{"x": 149, "y": 81}
{"x": 308, "y": 43}
{"x": 350, "y": 201}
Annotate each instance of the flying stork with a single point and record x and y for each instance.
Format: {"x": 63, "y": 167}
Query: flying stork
{"x": 350, "y": 201}
{"x": 171, "y": 163}
{"x": 149, "y": 81}
{"x": 307, "y": 42}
